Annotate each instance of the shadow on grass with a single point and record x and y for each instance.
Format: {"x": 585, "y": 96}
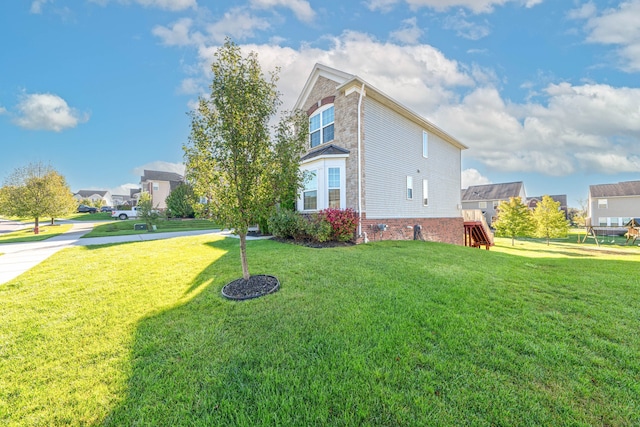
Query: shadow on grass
{"x": 385, "y": 339}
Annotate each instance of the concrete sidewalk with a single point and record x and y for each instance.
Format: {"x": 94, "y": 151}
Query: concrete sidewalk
{"x": 21, "y": 257}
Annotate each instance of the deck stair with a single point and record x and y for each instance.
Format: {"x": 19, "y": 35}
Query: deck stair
{"x": 476, "y": 231}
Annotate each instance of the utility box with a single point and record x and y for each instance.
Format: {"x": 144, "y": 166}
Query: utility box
{"x": 139, "y": 226}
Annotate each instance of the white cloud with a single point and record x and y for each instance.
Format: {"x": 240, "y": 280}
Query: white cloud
{"x": 301, "y": 8}
{"x": 45, "y": 111}
{"x": 172, "y": 5}
{"x": 123, "y": 189}
{"x": 570, "y": 127}
{"x": 410, "y": 33}
{"x": 464, "y": 28}
{"x": 36, "y": 6}
{"x": 3, "y": 110}
{"x": 476, "y": 6}
{"x": 615, "y": 26}
{"x": 160, "y": 165}
{"x": 237, "y": 23}
{"x": 473, "y": 177}
{"x": 178, "y": 34}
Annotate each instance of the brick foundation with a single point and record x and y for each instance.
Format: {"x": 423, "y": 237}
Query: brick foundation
{"x": 445, "y": 230}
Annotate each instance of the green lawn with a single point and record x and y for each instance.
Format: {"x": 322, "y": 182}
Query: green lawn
{"x": 99, "y": 216}
{"x": 26, "y": 235}
{"x": 120, "y": 228}
{"x": 389, "y": 333}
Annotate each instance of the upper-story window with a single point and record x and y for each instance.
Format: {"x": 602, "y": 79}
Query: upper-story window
{"x": 321, "y": 126}
{"x": 425, "y": 144}
{"x": 602, "y": 203}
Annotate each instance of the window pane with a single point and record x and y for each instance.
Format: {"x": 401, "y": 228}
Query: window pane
{"x": 327, "y": 133}
{"x": 425, "y": 144}
{"x": 314, "y": 123}
{"x": 334, "y": 177}
{"x": 425, "y": 192}
{"x": 409, "y": 187}
{"x": 315, "y": 139}
{"x": 311, "y": 181}
{"x": 602, "y": 203}
{"x": 327, "y": 116}
{"x": 310, "y": 200}
{"x": 334, "y": 198}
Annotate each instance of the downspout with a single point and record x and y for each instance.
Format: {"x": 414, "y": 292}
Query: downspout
{"x": 359, "y": 163}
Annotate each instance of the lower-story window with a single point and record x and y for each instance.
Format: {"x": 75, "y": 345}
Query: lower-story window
{"x": 310, "y": 194}
{"x": 334, "y": 187}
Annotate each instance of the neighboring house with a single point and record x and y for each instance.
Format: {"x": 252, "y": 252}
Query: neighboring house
{"x": 532, "y": 202}
{"x": 369, "y": 153}
{"x": 125, "y": 199}
{"x": 95, "y": 195}
{"x": 613, "y": 205}
{"x": 160, "y": 184}
{"x": 487, "y": 197}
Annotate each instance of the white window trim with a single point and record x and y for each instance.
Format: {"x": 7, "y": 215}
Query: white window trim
{"x": 322, "y": 165}
{"x": 425, "y": 144}
{"x": 319, "y": 111}
{"x": 409, "y": 187}
{"x": 425, "y": 192}
{"x": 603, "y": 203}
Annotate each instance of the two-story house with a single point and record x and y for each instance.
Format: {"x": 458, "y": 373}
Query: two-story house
{"x": 372, "y": 154}
{"x": 613, "y": 205}
{"x": 94, "y": 196}
{"x": 159, "y": 185}
{"x": 487, "y": 197}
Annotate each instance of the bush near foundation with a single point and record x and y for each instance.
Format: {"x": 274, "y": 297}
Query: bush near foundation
{"x": 344, "y": 223}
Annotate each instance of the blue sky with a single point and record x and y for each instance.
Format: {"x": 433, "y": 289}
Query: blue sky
{"x": 545, "y": 92}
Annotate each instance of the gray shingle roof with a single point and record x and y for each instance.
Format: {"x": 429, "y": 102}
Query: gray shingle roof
{"x": 621, "y": 189}
{"x": 89, "y": 193}
{"x": 562, "y": 198}
{"x": 492, "y": 191}
{"x": 161, "y": 176}
{"x": 324, "y": 151}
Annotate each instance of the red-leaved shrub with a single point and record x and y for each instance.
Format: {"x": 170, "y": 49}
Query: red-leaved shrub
{"x": 344, "y": 223}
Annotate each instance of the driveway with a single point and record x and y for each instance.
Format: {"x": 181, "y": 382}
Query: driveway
{"x": 7, "y": 226}
{"x": 18, "y": 258}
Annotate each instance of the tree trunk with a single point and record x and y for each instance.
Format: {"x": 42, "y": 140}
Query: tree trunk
{"x": 51, "y": 220}
{"x": 243, "y": 255}
{"x": 513, "y": 241}
{"x": 36, "y": 228}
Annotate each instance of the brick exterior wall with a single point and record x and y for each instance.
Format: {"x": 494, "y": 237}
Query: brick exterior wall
{"x": 445, "y": 230}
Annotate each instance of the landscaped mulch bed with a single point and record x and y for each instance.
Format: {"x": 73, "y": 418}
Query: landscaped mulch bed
{"x": 257, "y": 286}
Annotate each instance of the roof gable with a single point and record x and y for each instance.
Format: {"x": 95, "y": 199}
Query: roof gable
{"x": 89, "y": 193}
{"x": 621, "y": 189}
{"x": 492, "y": 191}
{"x": 320, "y": 70}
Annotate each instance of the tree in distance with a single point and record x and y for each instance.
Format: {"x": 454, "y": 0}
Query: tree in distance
{"x": 549, "y": 220}
{"x": 181, "y": 201}
{"x": 231, "y": 159}
{"x": 36, "y": 191}
{"x": 514, "y": 219}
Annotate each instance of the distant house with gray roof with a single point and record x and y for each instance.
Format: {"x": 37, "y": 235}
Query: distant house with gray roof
{"x": 94, "y": 195}
{"x": 613, "y": 204}
{"x": 159, "y": 185}
{"x": 487, "y": 197}
{"x": 533, "y": 201}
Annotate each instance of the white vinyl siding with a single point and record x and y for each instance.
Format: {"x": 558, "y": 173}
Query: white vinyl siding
{"x": 393, "y": 147}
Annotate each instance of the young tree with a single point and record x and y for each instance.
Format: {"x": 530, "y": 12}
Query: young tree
{"x": 514, "y": 219}
{"x": 550, "y": 221}
{"x": 35, "y": 191}
{"x": 181, "y": 201}
{"x": 230, "y": 157}
{"x": 146, "y": 211}
{"x": 62, "y": 202}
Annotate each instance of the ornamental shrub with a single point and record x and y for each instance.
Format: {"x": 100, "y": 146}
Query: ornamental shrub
{"x": 318, "y": 228}
{"x": 285, "y": 224}
{"x": 344, "y": 223}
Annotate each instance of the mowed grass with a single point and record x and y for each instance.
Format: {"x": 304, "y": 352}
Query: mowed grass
{"x": 389, "y": 333}
{"x": 121, "y": 228}
{"x": 27, "y": 234}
